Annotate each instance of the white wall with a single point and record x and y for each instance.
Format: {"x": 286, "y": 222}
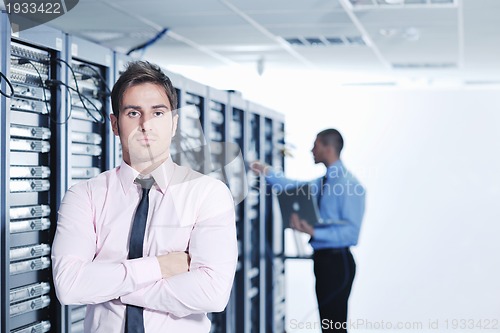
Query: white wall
{"x": 430, "y": 160}
{"x": 431, "y": 164}
{"x": 429, "y": 246}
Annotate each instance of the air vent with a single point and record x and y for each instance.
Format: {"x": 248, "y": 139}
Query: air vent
{"x": 315, "y": 42}
{"x": 326, "y": 41}
{"x": 295, "y": 41}
{"x": 335, "y": 40}
{"x": 437, "y": 65}
{"x": 356, "y": 40}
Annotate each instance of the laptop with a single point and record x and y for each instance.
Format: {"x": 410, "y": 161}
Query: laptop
{"x": 301, "y": 201}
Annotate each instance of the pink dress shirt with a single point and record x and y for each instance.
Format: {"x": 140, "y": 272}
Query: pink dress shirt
{"x": 187, "y": 212}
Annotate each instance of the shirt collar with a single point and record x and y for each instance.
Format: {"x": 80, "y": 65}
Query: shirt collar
{"x": 162, "y": 175}
{"x": 335, "y": 170}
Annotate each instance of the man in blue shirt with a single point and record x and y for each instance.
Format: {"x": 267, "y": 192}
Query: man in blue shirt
{"x": 341, "y": 202}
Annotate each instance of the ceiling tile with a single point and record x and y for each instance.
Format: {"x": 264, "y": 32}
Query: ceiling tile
{"x": 278, "y": 6}
{"x": 123, "y": 24}
{"x": 89, "y": 15}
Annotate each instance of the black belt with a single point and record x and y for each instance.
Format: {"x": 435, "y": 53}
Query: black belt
{"x": 330, "y": 251}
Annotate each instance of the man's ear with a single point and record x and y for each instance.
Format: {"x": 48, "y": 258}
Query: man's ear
{"x": 114, "y": 124}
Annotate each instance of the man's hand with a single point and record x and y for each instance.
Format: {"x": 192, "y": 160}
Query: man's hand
{"x": 173, "y": 263}
{"x": 259, "y": 167}
{"x": 301, "y": 225}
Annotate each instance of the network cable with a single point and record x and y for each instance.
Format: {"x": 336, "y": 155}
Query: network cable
{"x": 9, "y": 84}
{"x": 80, "y": 95}
{"x": 103, "y": 81}
{"x": 70, "y": 88}
{"x": 22, "y": 61}
{"x": 150, "y": 42}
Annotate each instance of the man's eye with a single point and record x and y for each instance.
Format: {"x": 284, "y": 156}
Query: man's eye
{"x": 158, "y": 113}
{"x": 133, "y": 114}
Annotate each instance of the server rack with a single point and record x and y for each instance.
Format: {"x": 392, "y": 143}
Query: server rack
{"x": 213, "y": 117}
{"x": 90, "y": 143}
{"x": 193, "y": 142}
{"x": 216, "y": 131}
{"x": 91, "y": 138}
{"x": 274, "y": 235}
{"x": 216, "y": 128}
{"x": 4, "y": 174}
{"x": 253, "y": 288}
{"x": 30, "y": 177}
{"x": 120, "y": 62}
{"x": 237, "y": 135}
{"x": 188, "y": 117}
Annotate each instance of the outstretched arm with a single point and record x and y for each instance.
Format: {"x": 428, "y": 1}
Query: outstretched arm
{"x": 275, "y": 178}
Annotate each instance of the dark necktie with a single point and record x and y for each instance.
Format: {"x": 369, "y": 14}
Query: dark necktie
{"x": 134, "y": 320}
{"x": 321, "y": 189}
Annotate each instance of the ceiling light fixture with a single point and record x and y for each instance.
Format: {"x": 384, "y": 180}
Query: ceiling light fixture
{"x": 411, "y": 34}
{"x": 388, "y": 32}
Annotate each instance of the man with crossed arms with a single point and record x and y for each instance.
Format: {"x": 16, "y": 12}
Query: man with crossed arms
{"x": 187, "y": 245}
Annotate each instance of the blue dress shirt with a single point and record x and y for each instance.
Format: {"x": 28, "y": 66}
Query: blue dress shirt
{"x": 342, "y": 202}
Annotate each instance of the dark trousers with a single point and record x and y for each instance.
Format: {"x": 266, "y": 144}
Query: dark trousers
{"x": 334, "y": 270}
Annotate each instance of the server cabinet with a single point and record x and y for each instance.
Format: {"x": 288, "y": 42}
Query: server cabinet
{"x": 274, "y": 235}
{"x": 216, "y": 132}
{"x": 252, "y": 231}
{"x": 120, "y": 62}
{"x": 4, "y": 173}
{"x": 180, "y": 147}
{"x": 90, "y": 141}
{"x": 237, "y": 127}
{"x": 31, "y": 182}
{"x": 216, "y": 128}
{"x": 190, "y": 140}
{"x": 55, "y": 132}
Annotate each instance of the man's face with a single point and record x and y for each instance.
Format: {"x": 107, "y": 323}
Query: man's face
{"x": 145, "y": 125}
{"x": 318, "y": 151}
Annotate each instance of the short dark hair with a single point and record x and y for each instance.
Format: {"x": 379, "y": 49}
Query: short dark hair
{"x": 332, "y": 137}
{"x": 139, "y": 72}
